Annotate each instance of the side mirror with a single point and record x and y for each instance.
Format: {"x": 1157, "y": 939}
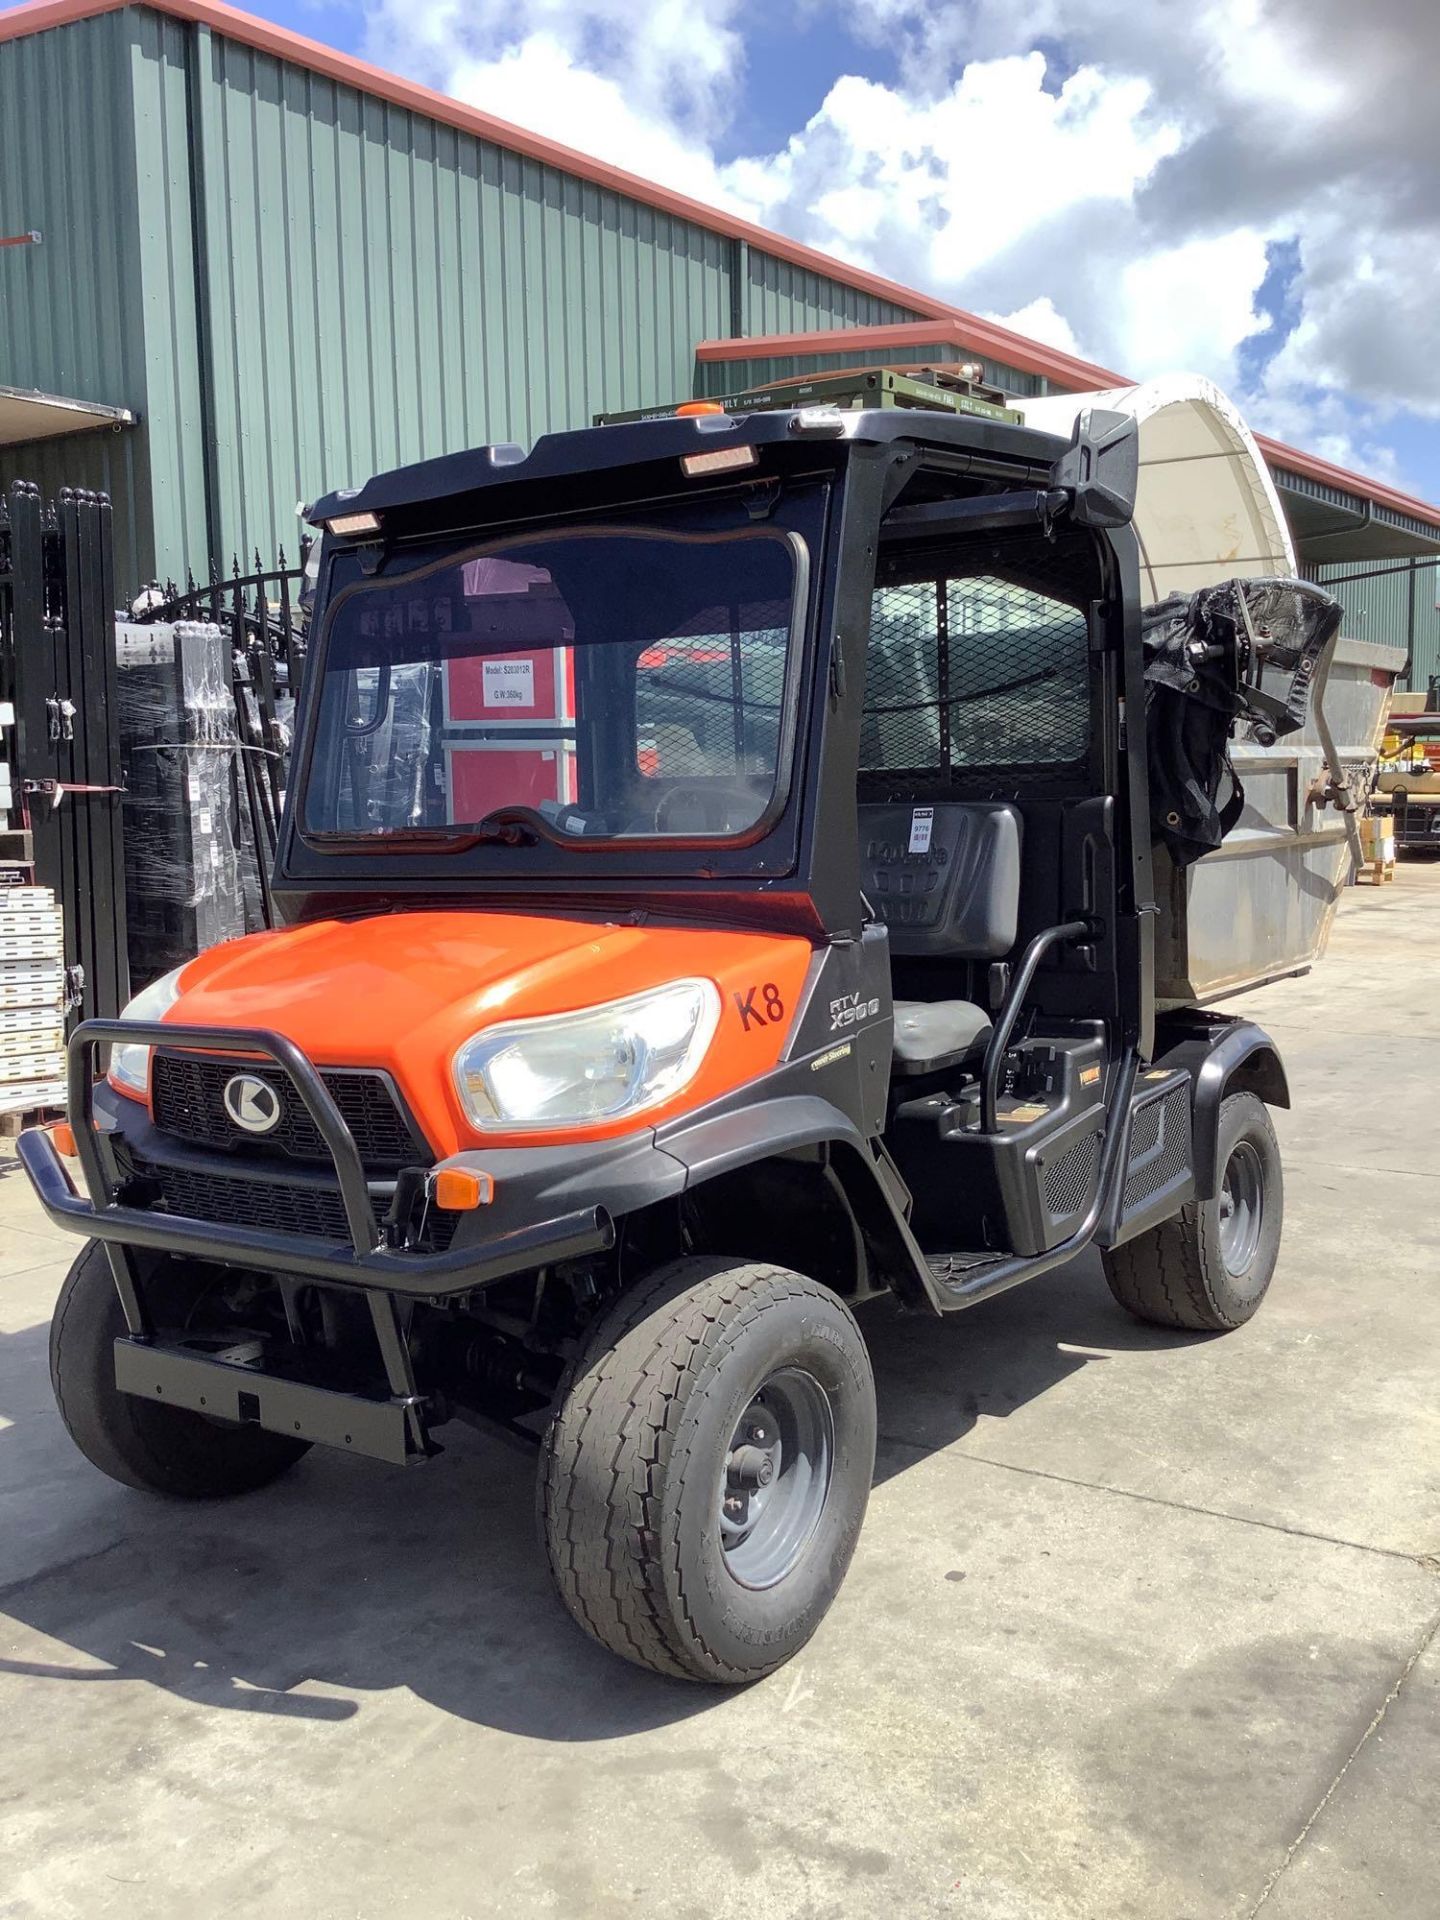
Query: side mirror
{"x": 1100, "y": 469}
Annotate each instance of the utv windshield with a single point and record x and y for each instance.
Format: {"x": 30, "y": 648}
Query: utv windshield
{"x": 587, "y": 686}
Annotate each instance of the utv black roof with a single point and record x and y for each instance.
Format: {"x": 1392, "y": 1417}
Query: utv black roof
{"x": 595, "y": 450}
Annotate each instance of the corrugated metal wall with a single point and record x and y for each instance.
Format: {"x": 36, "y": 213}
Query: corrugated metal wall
{"x": 400, "y": 289}
{"x": 1395, "y": 609}
{"x": 175, "y": 420}
{"x": 296, "y": 284}
{"x": 71, "y": 309}
{"x": 715, "y": 377}
{"x": 780, "y": 297}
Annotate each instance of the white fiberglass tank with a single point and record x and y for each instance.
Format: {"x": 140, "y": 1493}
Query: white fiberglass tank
{"x": 1206, "y": 509}
{"x": 1261, "y": 904}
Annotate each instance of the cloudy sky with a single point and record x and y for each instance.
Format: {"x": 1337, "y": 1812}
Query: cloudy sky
{"x": 1246, "y": 188}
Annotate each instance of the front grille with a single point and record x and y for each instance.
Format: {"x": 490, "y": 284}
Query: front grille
{"x": 313, "y": 1211}
{"x": 187, "y": 1093}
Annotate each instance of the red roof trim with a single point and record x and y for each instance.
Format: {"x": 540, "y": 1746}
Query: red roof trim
{"x": 980, "y": 336}
{"x": 1277, "y": 454}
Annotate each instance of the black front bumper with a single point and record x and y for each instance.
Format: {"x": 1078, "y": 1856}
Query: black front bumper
{"x": 364, "y": 1261}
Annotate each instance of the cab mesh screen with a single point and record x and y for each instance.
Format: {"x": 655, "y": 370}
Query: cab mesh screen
{"x": 974, "y": 674}
{"x": 709, "y": 700}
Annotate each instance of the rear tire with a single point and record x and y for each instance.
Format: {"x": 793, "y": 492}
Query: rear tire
{"x": 670, "y": 1540}
{"x": 137, "y": 1442}
{"x": 1209, "y": 1268}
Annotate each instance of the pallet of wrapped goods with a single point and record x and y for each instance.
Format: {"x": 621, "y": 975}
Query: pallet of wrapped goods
{"x": 32, "y": 1001}
{"x": 29, "y": 1041}
{"x": 40, "y": 1015}
{"x": 31, "y": 983}
{"x": 24, "y": 1067}
{"x": 37, "y": 935}
{"x": 27, "y": 1097}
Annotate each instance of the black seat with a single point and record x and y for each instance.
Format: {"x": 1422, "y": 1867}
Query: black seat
{"x": 945, "y": 880}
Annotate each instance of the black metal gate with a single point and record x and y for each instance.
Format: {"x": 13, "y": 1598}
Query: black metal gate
{"x": 57, "y": 668}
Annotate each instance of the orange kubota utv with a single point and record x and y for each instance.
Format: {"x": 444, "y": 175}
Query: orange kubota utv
{"x": 716, "y": 885}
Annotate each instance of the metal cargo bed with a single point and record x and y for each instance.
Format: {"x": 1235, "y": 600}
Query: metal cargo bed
{"x": 1260, "y": 906}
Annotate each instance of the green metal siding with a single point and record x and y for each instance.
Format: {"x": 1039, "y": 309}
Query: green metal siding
{"x": 296, "y": 284}
{"x": 384, "y": 289}
{"x": 714, "y": 377}
{"x": 174, "y": 410}
{"x": 1395, "y": 610}
{"x": 111, "y": 463}
{"x": 71, "y": 309}
{"x": 782, "y": 298}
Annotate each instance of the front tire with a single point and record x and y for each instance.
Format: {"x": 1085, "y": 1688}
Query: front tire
{"x": 141, "y": 1444}
{"x": 705, "y": 1476}
{"x": 1209, "y": 1268}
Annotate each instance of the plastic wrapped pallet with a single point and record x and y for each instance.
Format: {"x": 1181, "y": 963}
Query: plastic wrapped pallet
{"x": 184, "y": 887}
{"x": 32, "y": 1000}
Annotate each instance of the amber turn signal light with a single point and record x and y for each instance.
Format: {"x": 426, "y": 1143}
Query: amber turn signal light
{"x": 459, "y": 1190}
{"x": 688, "y": 409}
{"x": 62, "y": 1135}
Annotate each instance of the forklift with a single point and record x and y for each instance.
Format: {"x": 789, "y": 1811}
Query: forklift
{"x": 717, "y": 890}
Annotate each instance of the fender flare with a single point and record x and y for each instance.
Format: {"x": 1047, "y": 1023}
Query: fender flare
{"x": 785, "y": 1127}
{"x": 1238, "y": 1057}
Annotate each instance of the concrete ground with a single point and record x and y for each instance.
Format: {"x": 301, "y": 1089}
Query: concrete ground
{"x": 1141, "y": 1624}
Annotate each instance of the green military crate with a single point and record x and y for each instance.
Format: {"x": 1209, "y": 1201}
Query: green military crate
{"x": 934, "y": 390}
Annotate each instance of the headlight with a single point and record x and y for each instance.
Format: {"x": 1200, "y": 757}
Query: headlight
{"x": 130, "y": 1062}
{"x": 599, "y": 1064}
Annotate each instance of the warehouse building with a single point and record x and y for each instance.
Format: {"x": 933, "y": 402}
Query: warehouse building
{"x": 238, "y": 268}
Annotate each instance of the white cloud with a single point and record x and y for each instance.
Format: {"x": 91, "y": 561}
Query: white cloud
{"x": 1190, "y": 308}
{"x": 1039, "y": 320}
{"x": 1115, "y": 195}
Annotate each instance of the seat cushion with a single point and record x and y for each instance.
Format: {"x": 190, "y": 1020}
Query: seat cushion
{"x": 937, "y": 1033}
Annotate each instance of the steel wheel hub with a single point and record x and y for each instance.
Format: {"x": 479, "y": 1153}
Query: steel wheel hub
{"x": 776, "y": 1478}
{"x": 1242, "y": 1209}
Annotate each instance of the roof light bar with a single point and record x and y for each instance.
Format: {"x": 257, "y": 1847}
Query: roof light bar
{"x": 818, "y": 420}
{"x": 722, "y": 460}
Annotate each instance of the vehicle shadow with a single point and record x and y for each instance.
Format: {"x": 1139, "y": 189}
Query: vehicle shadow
{"x": 934, "y": 1378}
{"x": 346, "y": 1579}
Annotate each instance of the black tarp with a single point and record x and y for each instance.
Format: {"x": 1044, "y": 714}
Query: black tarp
{"x": 1238, "y": 656}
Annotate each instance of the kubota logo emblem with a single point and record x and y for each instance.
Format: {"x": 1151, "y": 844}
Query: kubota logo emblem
{"x": 251, "y": 1103}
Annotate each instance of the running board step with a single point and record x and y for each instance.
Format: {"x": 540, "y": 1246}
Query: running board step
{"x": 961, "y": 1269}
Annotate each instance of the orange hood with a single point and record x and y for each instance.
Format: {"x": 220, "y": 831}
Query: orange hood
{"x": 403, "y": 991}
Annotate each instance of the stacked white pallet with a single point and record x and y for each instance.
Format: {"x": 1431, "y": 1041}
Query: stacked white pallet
{"x": 32, "y": 1000}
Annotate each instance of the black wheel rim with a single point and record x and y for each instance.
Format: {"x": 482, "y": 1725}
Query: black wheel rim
{"x": 776, "y": 1478}
{"x": 1242, "y": 1209}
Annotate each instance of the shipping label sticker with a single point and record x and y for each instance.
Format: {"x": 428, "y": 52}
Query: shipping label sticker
{"x": 509, "y": 683}
{"x": 922, "y": 825}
